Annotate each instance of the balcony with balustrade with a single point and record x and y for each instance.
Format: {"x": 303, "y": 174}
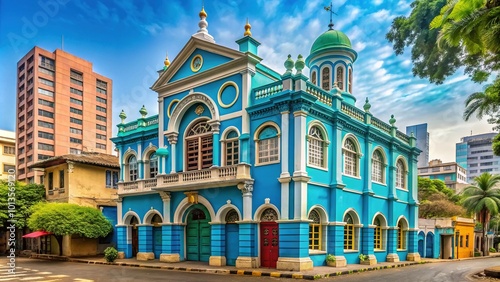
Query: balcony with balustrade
{"x": 189, "y": 180}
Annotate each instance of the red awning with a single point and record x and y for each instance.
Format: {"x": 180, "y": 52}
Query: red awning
{"x": 36, "y": 234}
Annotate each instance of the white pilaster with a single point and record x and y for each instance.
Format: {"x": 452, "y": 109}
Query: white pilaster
{"x": 300, "y": 143}
{"x": 284, "y": 144}
{"x": 246, "y": 83}
{"x": 165, "y": 197}
{"x": 172, "y": 139}
{"x": 246, "y": 190}
{"x": 285, "y": 196}
{"x": 161, "y": 139}
{"x": 119, "y": 211}
{"x": 139, "y": 151}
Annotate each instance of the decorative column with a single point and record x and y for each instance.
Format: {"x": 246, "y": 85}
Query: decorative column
{"x": 285, "y": 174}
{"x": 145, "y": 242}
{"x": 300, "y": 177}
{"x": 167, "y": 253}
{"x": 172, "y": 139}
{"x": 218, "y": 244}
{"x": 140, "y": 163}
{"x": 413, "y": 254}
{"x": 337, "y": 156}
{"x": 367, "y": 230}
{"x": 216, "y": 144}
{"x": 392, "y": 243}
{"x": 336, "y": 241}
{"x": 121, "y": 229}
{"x": 248, "y": 249}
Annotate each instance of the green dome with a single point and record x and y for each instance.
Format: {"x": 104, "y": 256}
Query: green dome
{"x": 330, "y": 39}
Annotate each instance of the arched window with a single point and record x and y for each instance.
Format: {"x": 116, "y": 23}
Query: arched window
{"x": 317, "y": 147}
{"x": 402, "y": 227}
{"x": 349, "y": 233}
{"x": 378, "y": 167}
{"x": 232, "y": 148}
{"x": 350, "y": 80}
{"x": 378, "y": 236}
{"x": 132, "y": 168}
{"x": 350, "y": 158}
{"x": 400, "y": 174}
{"x": 153, "y": 165}
{"x": 199, "y": 146}
{"x": 232, "y": 216}
{"x": 313, "y": 77}
{"x": 325, "y": 79}
{"x": 340, "y": 78}
{"x": 156, "y": 220}
{"x": 315, "y": 238}
{"x": 268, "y": 145}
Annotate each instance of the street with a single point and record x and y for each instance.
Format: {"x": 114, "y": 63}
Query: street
{"x": 40, "y": 270}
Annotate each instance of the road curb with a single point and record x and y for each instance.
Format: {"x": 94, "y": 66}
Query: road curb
{"x": 256, "y": 273}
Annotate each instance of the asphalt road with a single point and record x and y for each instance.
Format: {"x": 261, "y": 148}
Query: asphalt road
{"x": 40, "y": 270}
{"x": 453, "y": 271}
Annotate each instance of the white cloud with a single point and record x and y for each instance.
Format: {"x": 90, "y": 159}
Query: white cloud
{"x": 377, "y": 2}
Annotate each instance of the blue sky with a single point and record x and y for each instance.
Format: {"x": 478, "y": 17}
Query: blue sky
{"x": 127, "y": 41}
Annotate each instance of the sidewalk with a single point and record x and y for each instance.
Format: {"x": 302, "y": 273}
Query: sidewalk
{"x": 195, "y": 266}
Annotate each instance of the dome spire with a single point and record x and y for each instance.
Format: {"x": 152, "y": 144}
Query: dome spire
{"x": 203, "y": 24}
{"x": 166, "y": 62}
{"x": 330, "y": 9}
{"x": 248, "y": 27}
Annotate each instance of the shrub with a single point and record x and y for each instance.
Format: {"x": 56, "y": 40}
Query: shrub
{"x": 330, "y": 258}
{"x": 110, "y": 254}
{"x": 363, "y": 257}
{"x": 493, "y": 250}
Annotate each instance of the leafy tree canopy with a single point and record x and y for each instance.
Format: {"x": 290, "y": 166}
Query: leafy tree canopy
{"x": 68, "y": 219}
{"x": 24, "y": 196}
{"x": 437, "y": 200}
{"x": 445, "y": 35}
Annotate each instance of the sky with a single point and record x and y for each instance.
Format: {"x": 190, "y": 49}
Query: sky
{"x": 127, "y": 41}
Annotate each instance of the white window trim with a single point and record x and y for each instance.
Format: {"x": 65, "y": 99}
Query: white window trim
{"x": 326, "y": 144}
{"x": 321, "y": 78}
{"x": 256, "y": 141}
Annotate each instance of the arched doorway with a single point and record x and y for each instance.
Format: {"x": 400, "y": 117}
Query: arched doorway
{"x": 156, "y": 222}
{"x": 421, "y": 238}
{"x": 198, "y": 234}
{"x": 135, "y": 238}
{"x": 232, "y": 237}
{"x": 269, "y": 238}
{"x": 429, "y": 245}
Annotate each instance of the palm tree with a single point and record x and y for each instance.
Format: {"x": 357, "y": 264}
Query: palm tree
{"x": 481, "y": 104}
{"x": 483, "y": 200}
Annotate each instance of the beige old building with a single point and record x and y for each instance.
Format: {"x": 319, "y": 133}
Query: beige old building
{"x": 54, "y": 89}
{"x": 8, "y": 153}
{"x": 86, "y": 179}
{"x": 453, "y": 175}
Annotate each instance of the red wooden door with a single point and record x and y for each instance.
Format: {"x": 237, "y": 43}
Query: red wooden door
{"x": 269, "y": 244}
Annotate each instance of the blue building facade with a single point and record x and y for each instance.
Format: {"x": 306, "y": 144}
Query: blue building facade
{"x": 245, "y": 166}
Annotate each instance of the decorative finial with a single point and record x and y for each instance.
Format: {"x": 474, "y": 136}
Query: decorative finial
{"x": 412, "y": 135}
{"x": 143, "y": 111}
{"x": 202, "y": 33}
{"x": 288, "y": 64}
{"x": 300, "y": 64}
{"x": 330, "y": 9}
{"x": 248, "y": 27}
{"x": 166, "y": 62}
{"x": 202, "y": 14}
{"x": 367, "y": 105}
{"x": 392, "y": 121}
{"x": 123, "y": 116}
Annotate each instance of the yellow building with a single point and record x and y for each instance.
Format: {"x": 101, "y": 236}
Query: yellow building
{"x": 86, "y": 179}
{"x": 8, "y": 153}
{"x": 464, "y": 237}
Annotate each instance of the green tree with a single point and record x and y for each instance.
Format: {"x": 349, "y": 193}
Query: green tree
{"x": 483, "y": 200}
{"x": 68, "y": 219}
{"x": 24, "y": 196}
{"x": 437, "y": 200}
{"x": 446, "y": 35}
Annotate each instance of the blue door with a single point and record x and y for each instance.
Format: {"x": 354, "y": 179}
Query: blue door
{"x": 157, "y": 241}
{"x": 429, "y": 245}
{"x": 421, "y": 239}
{"x": 232, "y": 243}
